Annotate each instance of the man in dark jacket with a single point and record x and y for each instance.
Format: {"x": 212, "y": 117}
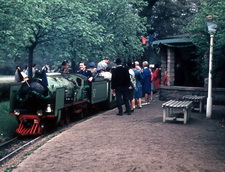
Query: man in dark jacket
{"x": 120, "y": 84}
{"x": 85, "y": 72}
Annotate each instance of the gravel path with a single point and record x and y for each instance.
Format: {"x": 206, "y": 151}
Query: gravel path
{"x": 140, "y": 142}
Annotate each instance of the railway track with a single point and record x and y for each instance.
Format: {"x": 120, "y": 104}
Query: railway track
{"x": 7, "y": 142}
{"x": 12, "y": 147}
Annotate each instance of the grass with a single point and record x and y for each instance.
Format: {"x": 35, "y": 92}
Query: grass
{"x": 8, "y": 123}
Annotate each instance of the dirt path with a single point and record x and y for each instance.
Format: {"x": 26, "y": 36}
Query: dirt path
{"x": 140, "y": 142}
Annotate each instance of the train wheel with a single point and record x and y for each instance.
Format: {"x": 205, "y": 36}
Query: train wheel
{"x": 43, "y": 128}
{"x": 67, "y": 118}
{"x": 85, "y": 110}
{"x": 62, "y": 122}
{"x": 62, "y": 119}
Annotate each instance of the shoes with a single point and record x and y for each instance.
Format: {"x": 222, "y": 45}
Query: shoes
{"x": 119, "y": 114}
{"x": 139, "y": 107}
{"x": 130, "y": 111}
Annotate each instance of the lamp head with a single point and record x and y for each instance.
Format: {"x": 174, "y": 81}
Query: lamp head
{"x": 211, "y": 27}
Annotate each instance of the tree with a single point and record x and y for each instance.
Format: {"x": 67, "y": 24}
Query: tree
{"x": 198, "y": 32}
{"x": 34, "y": 22}
{"x": 147, "y": 12}
{"x": 75, "y": 29}
{"x": 81, "y": 34}
{"x": 123, "y": 28}
{"x": 103, "y": 29}
{"x": 168, "y": 17}
{"x": 40, "y": 22}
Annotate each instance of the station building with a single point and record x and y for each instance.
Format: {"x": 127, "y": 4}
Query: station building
{"x": 177, "y": 56}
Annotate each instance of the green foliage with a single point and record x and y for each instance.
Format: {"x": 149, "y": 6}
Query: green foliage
{"x": 200, "y": 36}
{"x": 121, "y": 33}
{"x": 168, "y": 17}
{"x": 65, "y": 29}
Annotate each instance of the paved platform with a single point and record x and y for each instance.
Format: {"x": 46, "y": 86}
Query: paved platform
{"x": 140, "y": 142}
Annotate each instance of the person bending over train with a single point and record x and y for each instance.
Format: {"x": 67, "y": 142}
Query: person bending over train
{"x": 106, "y": 74}
{"x": 104, "y": 63}
{"x": 84, "y": 71}
{"x": 18, "y": 75}
{"x": 120, "y": 84}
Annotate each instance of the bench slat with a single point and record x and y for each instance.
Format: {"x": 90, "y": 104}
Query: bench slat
{"x": 178, "y": 104}
{"x": 193, "y": 97}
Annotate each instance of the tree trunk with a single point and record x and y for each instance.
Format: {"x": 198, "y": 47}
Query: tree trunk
{"x": 30, "y": 59}
{"x": 73, "y": 61}
{"x": 148, "y": 10}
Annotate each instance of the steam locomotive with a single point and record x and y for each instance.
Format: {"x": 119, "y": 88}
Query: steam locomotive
{"x": 42, "y": 104}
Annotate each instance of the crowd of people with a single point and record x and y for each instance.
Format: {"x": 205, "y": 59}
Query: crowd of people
{"x": 130, "y": 81}
{"x": 22, "y": 75}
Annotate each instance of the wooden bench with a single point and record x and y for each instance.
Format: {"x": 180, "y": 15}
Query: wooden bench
{"x": 170, "y": 106}
{"x": 199, "y": 100}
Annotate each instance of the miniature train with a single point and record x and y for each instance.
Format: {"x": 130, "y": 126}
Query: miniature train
{"x": 42, "y": 104}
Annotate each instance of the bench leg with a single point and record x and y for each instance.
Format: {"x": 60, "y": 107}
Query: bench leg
{"x": 170, "y": 111}
{"x": 185, "y": 116}
{"x": 189, "y": 113}
{"x": 200, "y": 106}
{"x": 164, "y": 114}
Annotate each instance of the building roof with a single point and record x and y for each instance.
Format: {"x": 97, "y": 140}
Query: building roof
{"x": 172, "y": 41}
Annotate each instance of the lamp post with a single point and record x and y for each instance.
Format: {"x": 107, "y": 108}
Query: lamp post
{"x": 212, "y": 29}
